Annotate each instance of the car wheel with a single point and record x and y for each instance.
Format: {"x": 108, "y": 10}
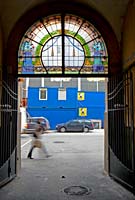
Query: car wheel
{"x": 86, "y": 129}
{"x": 62, "y": 129}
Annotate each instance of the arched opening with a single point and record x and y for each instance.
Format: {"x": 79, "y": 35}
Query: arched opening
{"x": 65, "y": 14}
{"x": 62, "y": 45}
{"x": 45, "y": 10}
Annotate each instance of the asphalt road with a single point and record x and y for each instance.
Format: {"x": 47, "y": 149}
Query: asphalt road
{"x": 77, "y": 162}
{"x": 57, "y": 143}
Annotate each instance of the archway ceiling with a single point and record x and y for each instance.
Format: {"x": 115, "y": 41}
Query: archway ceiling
{"x": 24, "y": 20}
{"x": 112, "y": 10}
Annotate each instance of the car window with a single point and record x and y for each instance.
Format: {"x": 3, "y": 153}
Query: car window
{"x": 34, "y": 120}
{"x": 43, "y": 121}
{"x": 74, "y": 123}
{"x": 88, "y": 123}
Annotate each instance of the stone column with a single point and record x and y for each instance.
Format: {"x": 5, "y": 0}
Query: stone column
{"x": 18, "y": 167}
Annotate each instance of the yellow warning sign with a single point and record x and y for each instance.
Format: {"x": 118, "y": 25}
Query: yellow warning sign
{"x": 82, "y": 111}
{"x": 81, "y": 96}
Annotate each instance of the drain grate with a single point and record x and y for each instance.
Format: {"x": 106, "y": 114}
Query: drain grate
{"x": 77, "y": 190}
{"x": 58, "y": 142}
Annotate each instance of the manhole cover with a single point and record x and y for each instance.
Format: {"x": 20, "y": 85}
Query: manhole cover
{"x": 77, "y": 190}
{"x": 58, "y": 142}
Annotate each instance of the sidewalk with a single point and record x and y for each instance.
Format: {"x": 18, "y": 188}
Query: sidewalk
{"x": 76, "y": 167}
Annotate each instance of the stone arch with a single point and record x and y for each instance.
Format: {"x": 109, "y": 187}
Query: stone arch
{"x": 49, "y": 8}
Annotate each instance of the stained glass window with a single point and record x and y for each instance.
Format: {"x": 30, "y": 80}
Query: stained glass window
{"x": 62, "y": 45}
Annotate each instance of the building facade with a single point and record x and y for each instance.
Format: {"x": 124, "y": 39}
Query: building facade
{"x": 71, "y": 39}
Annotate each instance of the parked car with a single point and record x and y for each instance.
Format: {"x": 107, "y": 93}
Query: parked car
{"x": 76, "y": 125}
{"x": 30, "y": 125}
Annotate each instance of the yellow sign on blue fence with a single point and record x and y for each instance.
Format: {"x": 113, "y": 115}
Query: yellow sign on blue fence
{"x": 83, "y": 112}
{"x": 81, "y": 96}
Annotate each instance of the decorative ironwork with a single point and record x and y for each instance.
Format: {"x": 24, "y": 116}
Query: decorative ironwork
{"x": 62, "y": 45}
{"x": 121, "y": 128}
{"x": 8, "y": 130}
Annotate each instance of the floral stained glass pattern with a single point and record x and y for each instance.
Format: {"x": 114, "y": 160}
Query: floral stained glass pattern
{"x": 62, "y": 45}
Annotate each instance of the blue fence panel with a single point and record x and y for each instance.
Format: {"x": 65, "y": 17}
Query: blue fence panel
{"x": 54, "y": 115}
{"x": 52, "y": 98}
{"x": 95, "y": 104}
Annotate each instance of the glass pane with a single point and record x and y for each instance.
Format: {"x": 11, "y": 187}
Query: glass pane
{"x": 61, "y": 94}
{"x": 52, "y": 55}
{"x": 96, "y": 59}
{"x": 95, "y": 54}
{"x": 74, "y": 55}
{"x": 43, "y": 94}
{"x": 31, "y": 59}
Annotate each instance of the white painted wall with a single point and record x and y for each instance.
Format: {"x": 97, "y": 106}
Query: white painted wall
{"x": 23, "y": 117}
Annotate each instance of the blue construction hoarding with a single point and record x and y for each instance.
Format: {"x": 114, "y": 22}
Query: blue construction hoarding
{"x": 82, "y": 104}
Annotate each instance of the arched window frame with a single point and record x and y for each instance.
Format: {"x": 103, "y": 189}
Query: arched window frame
{"x": 90, "y": 62}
